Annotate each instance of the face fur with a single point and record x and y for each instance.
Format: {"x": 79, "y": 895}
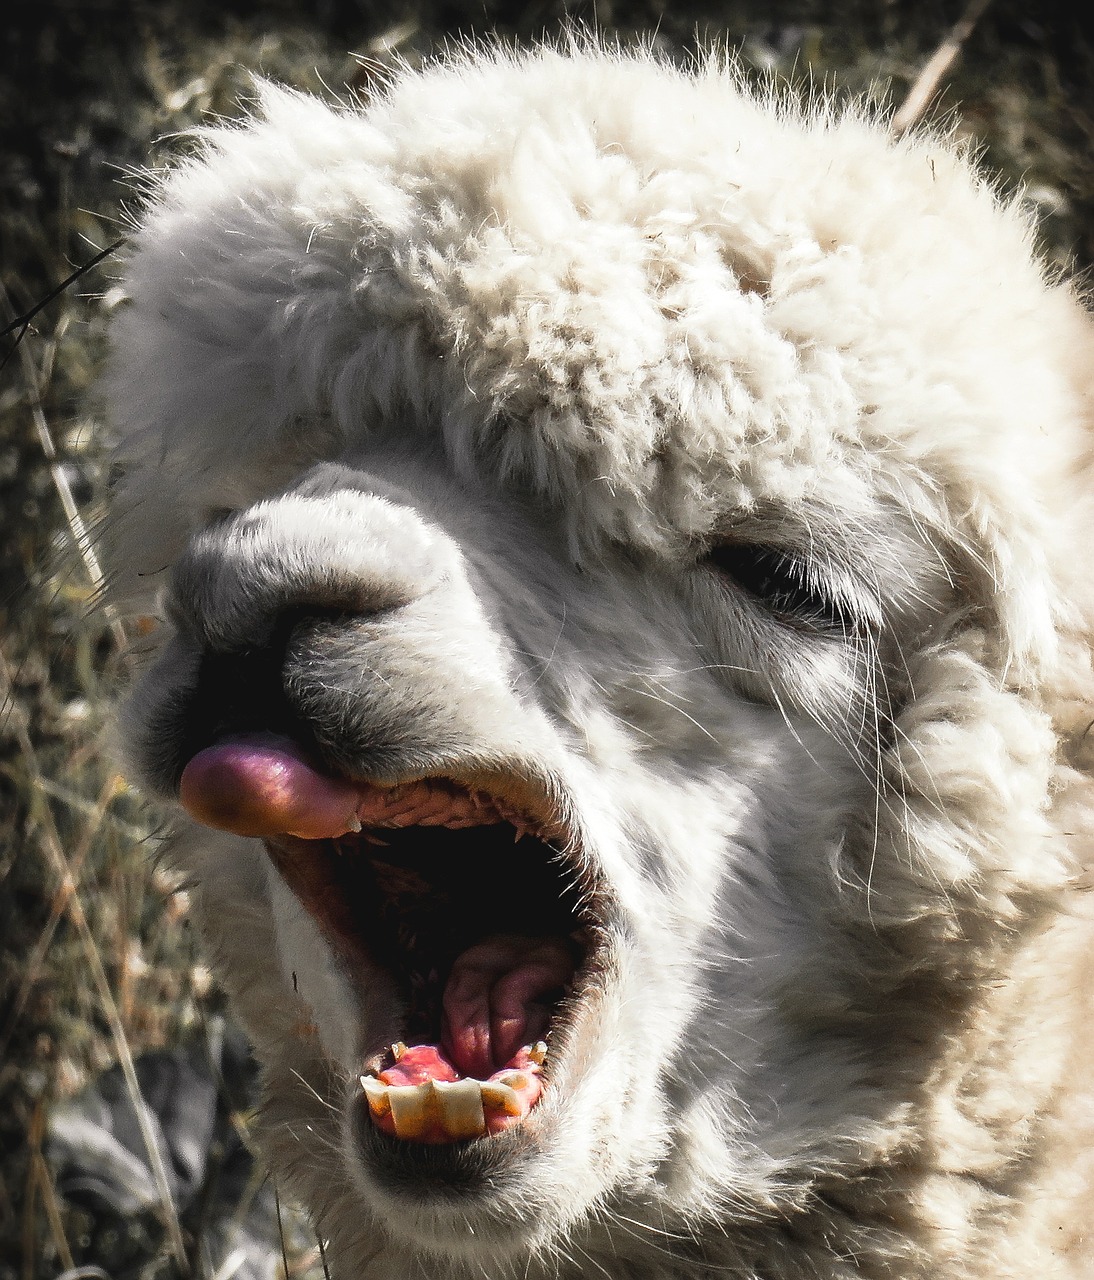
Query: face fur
{"x": 611, "y": 535}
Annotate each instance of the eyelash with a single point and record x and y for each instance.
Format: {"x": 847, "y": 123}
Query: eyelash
{"x": 785, "y": 584}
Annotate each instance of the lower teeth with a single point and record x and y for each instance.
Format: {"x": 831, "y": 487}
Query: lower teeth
{"x": 457, "y": 1108}
{"x": 452, "y": 1109}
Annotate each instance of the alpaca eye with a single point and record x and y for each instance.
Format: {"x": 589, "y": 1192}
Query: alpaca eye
{"x": 785, "y": 584}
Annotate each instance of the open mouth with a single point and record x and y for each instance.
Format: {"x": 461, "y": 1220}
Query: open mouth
{"x": 471, "y": 902}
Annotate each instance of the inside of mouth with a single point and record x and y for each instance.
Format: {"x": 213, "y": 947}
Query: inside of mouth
{"x": 478, "y": 927}
{"x": 469, "y": 907}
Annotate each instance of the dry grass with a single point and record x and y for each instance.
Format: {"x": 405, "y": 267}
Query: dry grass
{"x": 98, "y": 964}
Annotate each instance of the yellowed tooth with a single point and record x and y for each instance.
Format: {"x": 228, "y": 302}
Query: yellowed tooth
{"x": 514, "y": 1079}
{"x": 457, "y": 1107}
{"x": 500, "y": 1097}
{"x": 397, "y": 1050}
{"x": 538, "y": 1052}
{"x": 460, "y": 1104}
{"x": 412, "y": 1108}
{"x": 377, "y": 1094}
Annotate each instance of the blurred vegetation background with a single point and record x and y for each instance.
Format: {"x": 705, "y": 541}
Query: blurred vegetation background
{"x": 98, "y": 965}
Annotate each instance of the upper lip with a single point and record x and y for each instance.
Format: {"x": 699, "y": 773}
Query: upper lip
{"x": 262, "y": 784}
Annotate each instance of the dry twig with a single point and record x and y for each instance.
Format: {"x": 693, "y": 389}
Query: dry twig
{"x": 937, "y": 68}
{"x": 75, "y": 912}
{"x": 78, "y": 531}
{"x": 58, "y": 907}
{"x": 22, "y": 323}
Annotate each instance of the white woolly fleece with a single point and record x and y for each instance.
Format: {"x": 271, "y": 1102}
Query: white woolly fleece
{"x": 635, "y": 291}
{"x": 519, "y": 341}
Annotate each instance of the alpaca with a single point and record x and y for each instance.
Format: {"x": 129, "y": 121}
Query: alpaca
{"x": 624, "y": 672}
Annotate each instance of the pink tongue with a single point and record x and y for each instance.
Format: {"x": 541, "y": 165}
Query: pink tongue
{"x": 492, "y": 1000}
{"x": 256, "y": 787}
{"x": 263, "y": 786}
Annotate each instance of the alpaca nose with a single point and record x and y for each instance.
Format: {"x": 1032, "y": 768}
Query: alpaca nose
{"x": 249, "y": 586}
{"x": 336, "y": 621}
{"x": 349, "y": 553}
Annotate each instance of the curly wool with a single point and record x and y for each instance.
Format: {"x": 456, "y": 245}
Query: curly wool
{"x": 520, "y": 253}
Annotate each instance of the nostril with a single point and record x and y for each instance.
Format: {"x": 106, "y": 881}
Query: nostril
{"x": 243, "y": 692}
{"x": 228, "y": 601}
{"x": 350, "y": 553}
